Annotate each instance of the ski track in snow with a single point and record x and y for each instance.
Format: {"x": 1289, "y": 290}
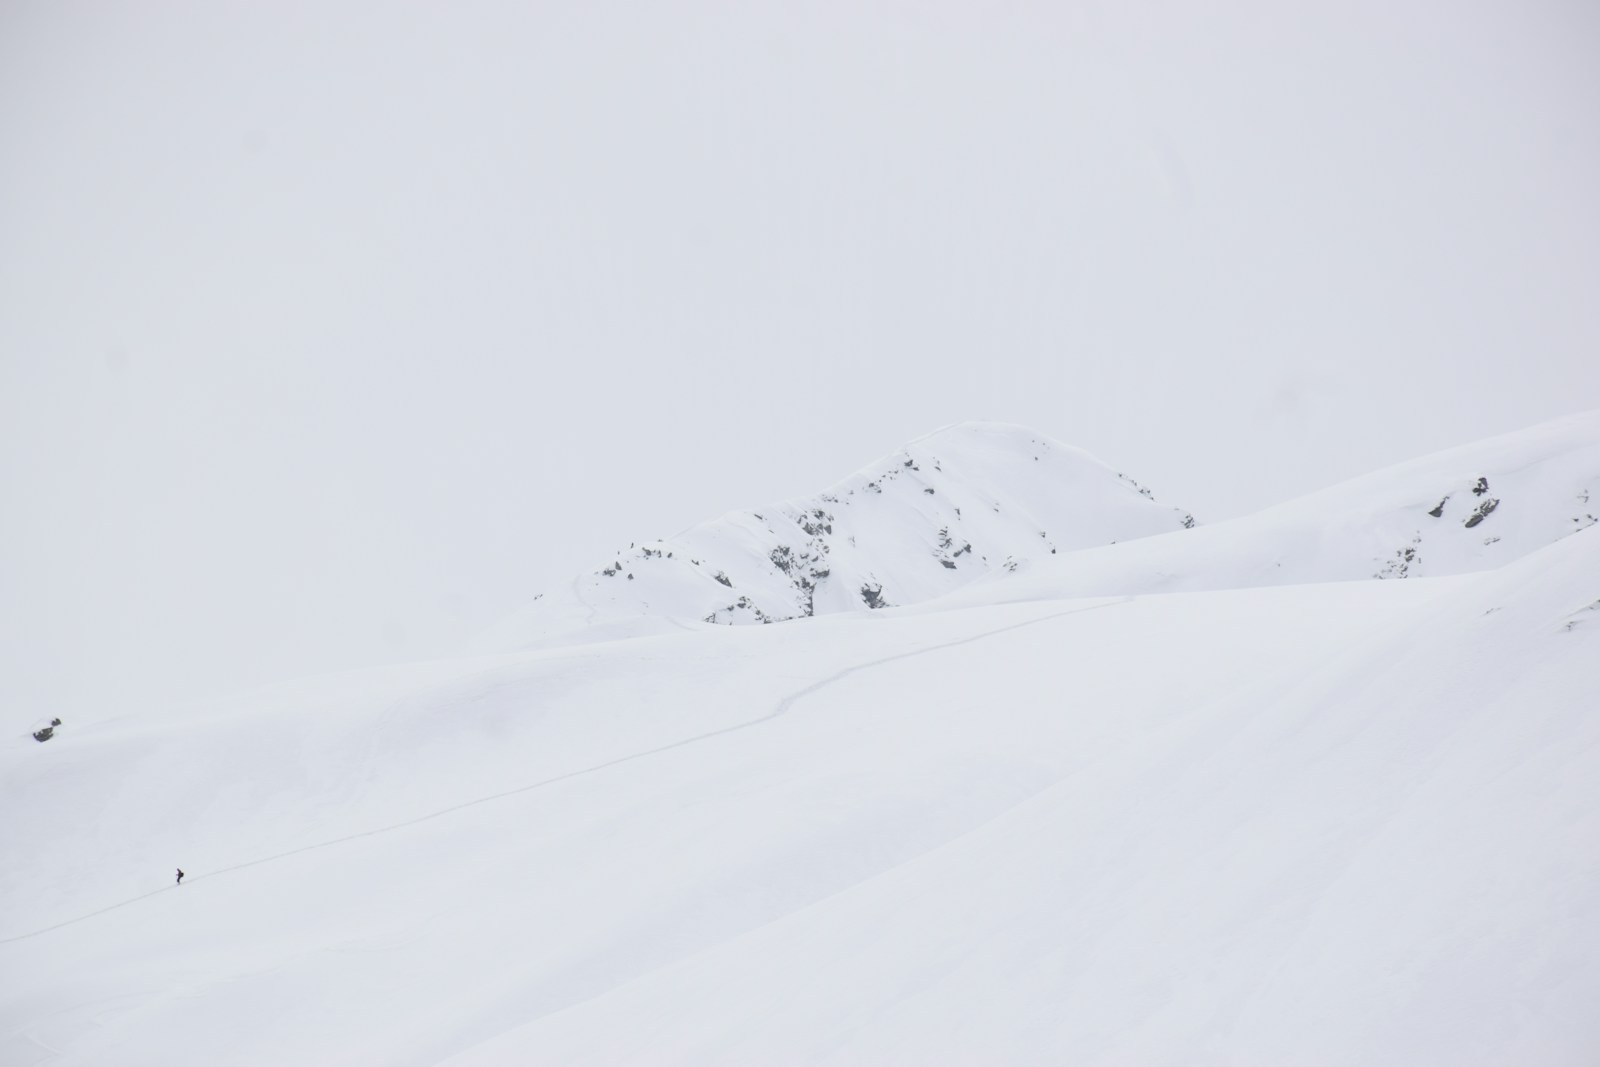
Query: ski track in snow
{"x": 577, "y": 593}
{"x": 780, "y": 709}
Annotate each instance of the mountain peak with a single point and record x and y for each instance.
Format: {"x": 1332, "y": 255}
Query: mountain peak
{"x": 967, "y": 500}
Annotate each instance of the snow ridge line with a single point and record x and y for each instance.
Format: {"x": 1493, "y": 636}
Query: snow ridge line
{"x": 780, "y": 709}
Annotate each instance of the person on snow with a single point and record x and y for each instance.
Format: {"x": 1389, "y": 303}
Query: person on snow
{"x": 180, "y": 875}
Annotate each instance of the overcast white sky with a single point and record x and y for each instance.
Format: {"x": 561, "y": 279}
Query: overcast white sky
{"x": 331, "y": 331}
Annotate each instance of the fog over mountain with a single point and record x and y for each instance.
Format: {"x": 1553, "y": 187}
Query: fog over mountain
{"x": 331, "y": 333}
{"x": 427, "y": 522}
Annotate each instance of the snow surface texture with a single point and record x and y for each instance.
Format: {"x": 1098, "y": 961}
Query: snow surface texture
{"x": 969, "y": 500}
{"x": 1347, "y": 822}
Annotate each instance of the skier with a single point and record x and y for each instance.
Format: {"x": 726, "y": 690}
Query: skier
{"x": 180, "y": 875}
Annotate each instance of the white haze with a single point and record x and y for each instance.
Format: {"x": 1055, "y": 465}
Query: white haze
{"x": 331, "y": 333}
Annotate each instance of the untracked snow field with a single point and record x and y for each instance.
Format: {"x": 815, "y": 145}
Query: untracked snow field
{"x": 1312, "y": 824}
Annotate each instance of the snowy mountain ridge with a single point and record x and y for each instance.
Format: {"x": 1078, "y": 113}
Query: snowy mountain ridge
{"x": 965, "y": 501}
{"x": 949, "y": 518}
{"x": 1472, "y": 508}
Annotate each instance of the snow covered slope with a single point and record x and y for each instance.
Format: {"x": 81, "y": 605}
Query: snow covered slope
{"x": 1389, "y": 860}
{"x": 969, "y": 500}
{"x": 1327, "y": 824}
{"x": 1466, "y": 509}
{"x": 1346, "y": 822}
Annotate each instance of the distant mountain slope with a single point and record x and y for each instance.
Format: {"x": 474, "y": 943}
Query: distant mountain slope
{"x": 968, "y": 500}
{"x": 1472, "y": 508}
